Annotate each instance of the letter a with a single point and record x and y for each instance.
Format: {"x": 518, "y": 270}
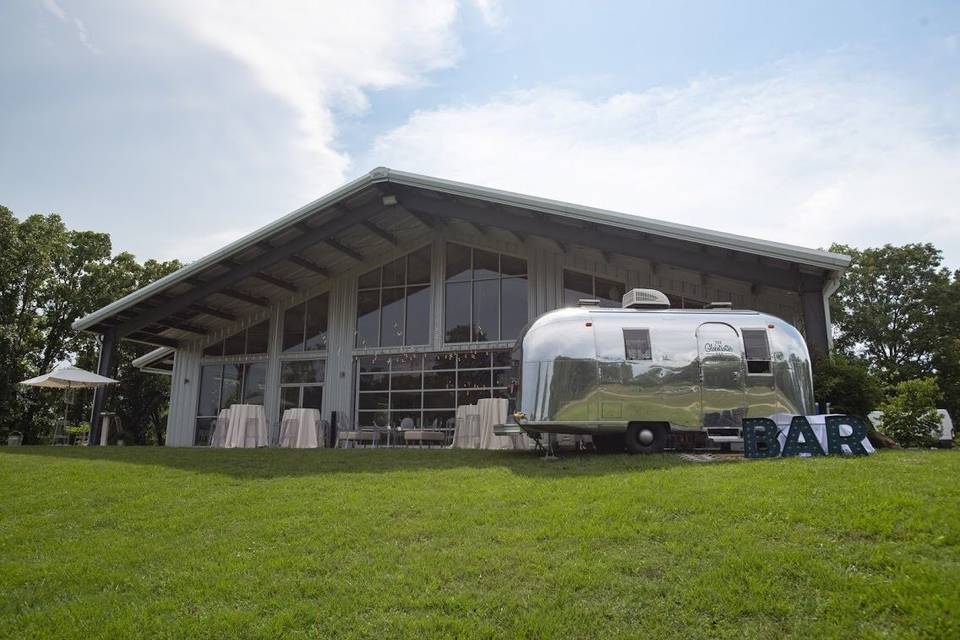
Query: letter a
{"x": 793, "y": 447}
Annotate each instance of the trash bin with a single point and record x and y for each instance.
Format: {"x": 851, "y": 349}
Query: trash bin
{"x": 14, "y": 439}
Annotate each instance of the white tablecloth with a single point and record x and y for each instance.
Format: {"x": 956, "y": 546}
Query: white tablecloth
{"x": 819, "y": 426}
{"x": 301, "y": 429}
{"x": 493, "y": 411}
{"x": 246, "y": 427}
{"x": 218, "y": 438}
{"x": 466, "y": 434}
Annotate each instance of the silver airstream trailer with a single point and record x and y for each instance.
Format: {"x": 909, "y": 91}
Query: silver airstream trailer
{"x": 644, "y": 373}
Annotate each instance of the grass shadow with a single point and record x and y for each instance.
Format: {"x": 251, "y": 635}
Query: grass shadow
{"x": 275, "y": 463}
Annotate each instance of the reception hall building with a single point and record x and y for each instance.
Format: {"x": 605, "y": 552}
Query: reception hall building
{"x": 401, "y": 295}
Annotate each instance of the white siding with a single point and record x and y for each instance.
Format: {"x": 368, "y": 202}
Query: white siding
{"x": 545, "y": 264}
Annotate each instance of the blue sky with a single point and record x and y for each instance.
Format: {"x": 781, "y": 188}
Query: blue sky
{"x": 179, "y": 126}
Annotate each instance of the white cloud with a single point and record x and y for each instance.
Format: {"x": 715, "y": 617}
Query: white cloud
{"x": 80, "y": 29}
{"x": 805, "y": 154}
{"x": 55, "y": 9}
{"x": 492, "y": 12}
{"x": 320, "y": 57}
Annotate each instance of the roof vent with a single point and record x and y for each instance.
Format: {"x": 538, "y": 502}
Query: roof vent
{"x": 588, "y": 302}
{"x": 719, "y": 305}
{"x": 645, "y": 299}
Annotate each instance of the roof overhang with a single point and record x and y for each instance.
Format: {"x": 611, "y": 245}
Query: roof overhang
{"x": 281, "y": 258}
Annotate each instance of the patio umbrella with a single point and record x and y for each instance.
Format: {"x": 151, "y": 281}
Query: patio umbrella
{"x": 69, "y": 378}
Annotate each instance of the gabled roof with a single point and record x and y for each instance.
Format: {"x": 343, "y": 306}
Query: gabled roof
{"x": 331, "y": 212}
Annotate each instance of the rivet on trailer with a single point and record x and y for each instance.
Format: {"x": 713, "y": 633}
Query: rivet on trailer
{"x": 645, "y": 374}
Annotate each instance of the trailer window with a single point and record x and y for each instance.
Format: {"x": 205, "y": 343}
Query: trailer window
{"x": 757, "y": 349}
{"x": 636, "y": 343}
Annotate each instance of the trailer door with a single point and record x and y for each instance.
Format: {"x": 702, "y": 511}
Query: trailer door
{"x": 723, "y": 397}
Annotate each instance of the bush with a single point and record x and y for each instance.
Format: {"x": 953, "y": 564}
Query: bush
{"x": 846, "y": 384}
{"x": 910, "y": 414}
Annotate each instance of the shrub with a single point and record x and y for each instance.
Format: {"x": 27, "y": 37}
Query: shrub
{"x": 846, "y": 384}
{"x": 910, "y": 413}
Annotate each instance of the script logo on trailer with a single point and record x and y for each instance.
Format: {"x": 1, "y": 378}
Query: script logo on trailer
{"x": 761, "y": 437}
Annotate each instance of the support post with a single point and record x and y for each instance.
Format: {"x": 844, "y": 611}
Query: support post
{"x": 104, "y": 364}
{"x": 815, "y": 320}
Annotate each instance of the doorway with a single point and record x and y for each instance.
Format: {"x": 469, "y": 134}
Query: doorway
{"x": 723, "y": 398}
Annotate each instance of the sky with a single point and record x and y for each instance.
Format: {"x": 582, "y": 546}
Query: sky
{"x": 181, "y": 125}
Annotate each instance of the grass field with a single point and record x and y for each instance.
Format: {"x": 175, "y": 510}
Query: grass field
{"x": 145, "y": 542}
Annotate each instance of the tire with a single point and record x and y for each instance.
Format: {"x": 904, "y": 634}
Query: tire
{"x": 608, "y": 442}
{"x": 646, "y": 437}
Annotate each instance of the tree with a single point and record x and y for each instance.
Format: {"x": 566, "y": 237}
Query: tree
{"x": 140, "y": 399}
{"x": 50, "y": 276}
{"x": 886, "y": 308}
{"x": 946, "y": 350}
{"x": 910, "y": 414}
{"x": 847, "y": 384}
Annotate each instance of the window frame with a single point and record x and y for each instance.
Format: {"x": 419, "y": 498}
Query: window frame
{"x": 300, "y": 386}
{"x": 626, "y": 345}
{"x": 406, "y": 287}
{"x": 471, "y": 281}
{"x": 246, "y": 356}
{"x": 461, "y": 384}
{"x": 747, "y": 359}
{"x": 593, "y": 285}
{"x": 220, "y": 363}
{"x": 303, "y": 342}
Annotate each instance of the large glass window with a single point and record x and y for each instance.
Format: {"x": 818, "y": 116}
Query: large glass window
{"x": 305, "y": 325}
{"x": 485, "y": 295}
{"x": 250, "y": 341}
{"x": 577, "y": 286}
{"x": 222, "y": 385}
{"x": 393, "y": 303}
{"x": 427, "y": 388}
{"x": 301, "y": 384}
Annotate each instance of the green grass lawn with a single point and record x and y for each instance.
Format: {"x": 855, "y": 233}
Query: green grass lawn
{"x": 381, "y": 543}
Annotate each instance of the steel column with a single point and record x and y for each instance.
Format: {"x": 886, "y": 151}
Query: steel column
{"x": 104, "y": 364}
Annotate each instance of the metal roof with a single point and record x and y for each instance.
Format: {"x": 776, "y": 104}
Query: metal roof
{"x": 790, "y": 253}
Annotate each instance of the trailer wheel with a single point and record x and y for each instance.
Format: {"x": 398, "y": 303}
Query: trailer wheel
{"x": 646, "y": 437}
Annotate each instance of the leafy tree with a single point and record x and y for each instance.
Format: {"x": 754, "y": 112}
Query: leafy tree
{"x": 946, "y": 350}
{"x": 847, "y": 384}
{"x": 910, "y": 414}
{"x": 50, "y": 276}
{"x": 886, "y": 308}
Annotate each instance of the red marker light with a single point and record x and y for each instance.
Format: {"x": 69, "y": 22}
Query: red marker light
{"x": 589, "y": 324}
{"x": 770, "y": 326}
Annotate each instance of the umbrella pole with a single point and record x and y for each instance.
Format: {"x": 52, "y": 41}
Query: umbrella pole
{"x": 66, "y": 393}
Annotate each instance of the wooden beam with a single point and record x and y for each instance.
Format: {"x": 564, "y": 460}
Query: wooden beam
{"x": 275, "y": 281}
{"x": 225, "y": 280}
{"x": 616, "y": 241}
{"x": 244, "y": 297}
{"x": 423, "y": 218}
{"x": 265, "y": 277}
{"x": 309, "y": 265}
{"x": 149, "y": 338}
{"x": 345, "y": 250}
{"x": 213, "y": 311}
{"x": 382, "y": 233}
{"x": 182, "y": 326}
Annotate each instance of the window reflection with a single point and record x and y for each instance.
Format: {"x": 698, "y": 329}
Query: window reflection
{"x": 393, "y": 303}
{"x": 427, "y": 388}
{"x": 305, "y": 325}
{"x": 485, "y": 295}
{"x": 577, "y": 286}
